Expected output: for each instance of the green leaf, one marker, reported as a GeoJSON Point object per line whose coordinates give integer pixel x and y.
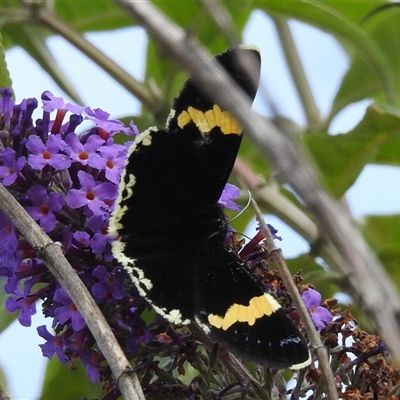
{"type": "Point", "coordinates": [63, 383]}
{"type": "Point", "coordinates": [5, 80]}
{"type": "Point", "coordinates": [382, 231]}
{"type": "Point", "coordinates": [361, 81]}
{"type": "Point", "coordinates": [389, 153]}
{"type": "Point", "coordinates": [254, 158]}
{"type": "Point", "coordinates": [354, 10]}
{"type": "Point", "coordinates": [99, 15]}
{"type": "Point", "coordinates": [329, 15]}
{"type": "Point", "coordinates": [328, 18]}
{"type": "Point", "coordinates": [342, 157]}
{"type": "Point", "coordinates": [383, 234]}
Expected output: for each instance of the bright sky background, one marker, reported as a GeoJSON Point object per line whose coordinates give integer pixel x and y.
{"type": "Point", "coordinates": [324, 62]}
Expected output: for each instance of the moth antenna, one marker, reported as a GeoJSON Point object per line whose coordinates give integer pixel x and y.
{"type": "Point", "coordinates": [244, 208]}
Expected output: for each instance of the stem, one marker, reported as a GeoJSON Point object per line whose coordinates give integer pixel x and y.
{"type": "Point", "coordinates": [149, 98]}
{"type": "Point", "coordinates": [313, 335]}
{"type": "Point", "coordinates": [297, 72]}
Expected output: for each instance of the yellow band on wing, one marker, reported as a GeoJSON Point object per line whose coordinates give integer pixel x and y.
{"type": "Point", "coordinates": [257, 308]}
{"type": "Point", "coordinates": [206, 121]}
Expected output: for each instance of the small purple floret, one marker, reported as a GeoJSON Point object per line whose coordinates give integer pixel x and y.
{"type": "Point", "coordinates": [68, 311]}
{"type": "Point", "coordinates": [230, 193]}
{"type": "Point", "coordinates": [320, 315]}
{"type": "Point", "coordinates": [47, 154]}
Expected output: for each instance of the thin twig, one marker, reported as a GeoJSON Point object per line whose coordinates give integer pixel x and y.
{"type": "Point", "coordinates": [366, 274]}
{"type": "Point", "coordinates": [297, 72]}
{"type": "Point", "coordinates": [48, 18]}
{"type": "Point", "coordinates": [52, 256]}
{"type": "Point", "coordinates": [313, 336]}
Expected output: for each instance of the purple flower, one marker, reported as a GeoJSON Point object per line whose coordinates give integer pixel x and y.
{"type": "Point", "coordinates": [141, 334]}
{"type": "Point", "coordinates": [44, 206]}
{"type": "Point", "coordinates": [100, 238]}
{"type": "Point", "coordinates": [6, 102]}
{"type": "Point", "coordinates": [112, 162]}
{"type": "Point", "coordinates": [47, 154]}
{"type": "Point", "coordinates": [8, 237]}
{"type": "Point", "coordinates": [319, 314]}
{"type": "Point", "coordinates": [26, 305]}
{"type": "Point", "coordinates": [230, 193]}
{"type": "Point", "coordinates": [133, 130]}
{"type": "Point", "coordinates": [112, 126]}
{"type": "Point", "coordinates": [100, 118]}
{"type": "Point", "coordinates": [54, 344]}
{"type": "Point", "coordinates": [85, 153]}
{"type": "Point", "coordinates": [82, 239]}
{"type": "Point", "coordinates": [10, 168]}
{"type": "Point", "coordinates": [91, 360]}
{"type": "Point", "coordinates": [92, 194]}
{"type": "Point", "coordinates": [68, 311]}
{"type": "Point", "coordinates": [13, 269]}
{"type": "Point", "coordinates": [52, 103]}
{"type": "Point", "coordinates": [110, 284]}
{"type": "Point", "coordinates": [274, 232]}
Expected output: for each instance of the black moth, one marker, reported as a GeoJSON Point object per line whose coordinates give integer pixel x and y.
{"type": "Point", "coordinates": [171, 229]}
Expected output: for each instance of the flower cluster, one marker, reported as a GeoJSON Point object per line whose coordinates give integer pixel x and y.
{"type": "Point", "coordinates": [67, 183]}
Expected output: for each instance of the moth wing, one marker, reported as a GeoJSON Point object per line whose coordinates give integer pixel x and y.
{"type": "Point", "coordinates": [233, 307]}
